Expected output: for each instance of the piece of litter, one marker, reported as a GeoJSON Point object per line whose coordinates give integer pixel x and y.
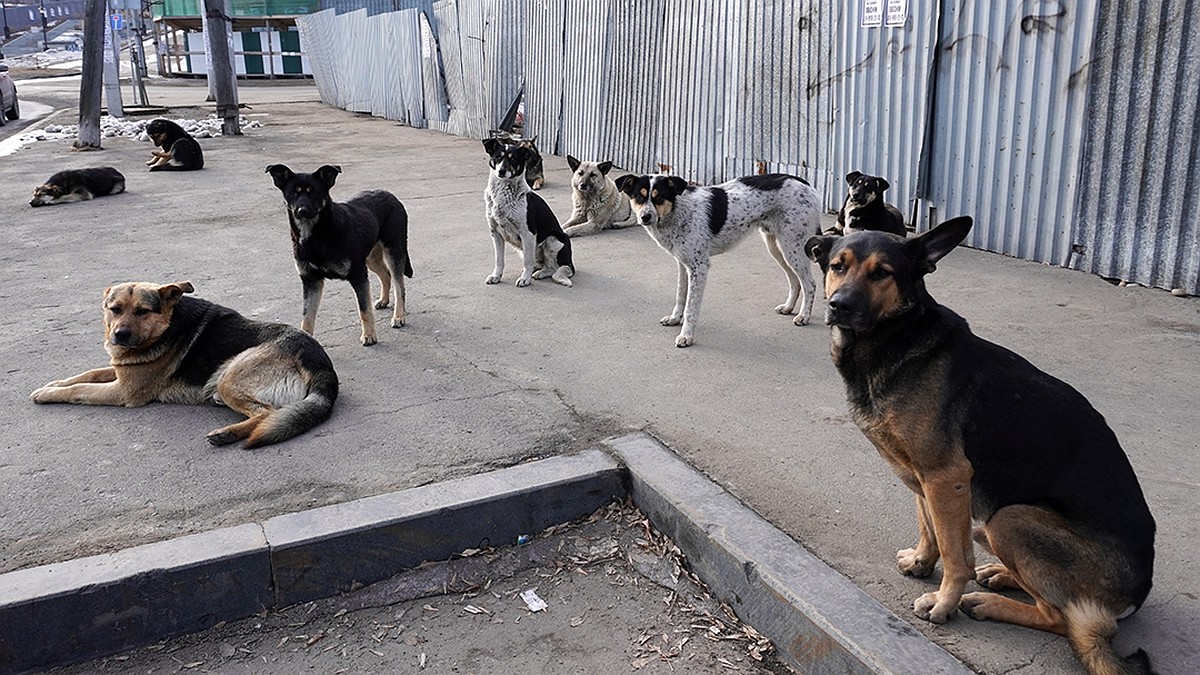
{"type": "Point", "coordinates": [476, 610]}
{"type": "Point", "coordinates": [422, 659]}
{"type": "Point", "coordinates": [522, 539]}
{"type": "Point", "coordinates": [576, 622]}
{"type": "Point", "coordinates": [532, 601]}
{"type": "Point", "coordinates": [429, 608]}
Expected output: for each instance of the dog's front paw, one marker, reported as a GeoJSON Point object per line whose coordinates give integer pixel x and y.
{"type": "Point", "coordinates": [800, 320]}
{"type": "Point", "coordinates": [784, 308]}
{"type": "Point", "coordinates": [671, 320]}
{"type": "Point", "coordinates": [382, 304]}
{"type": "Point", "coordinates": [397, 323]}
{"type": "Point", "coordinates": [909, 562]}
{"type": "Point", "coordinates": [524, 281]}
{"type": "Point", "coordinates": [684, 341]}
{"type": "Point", "coordinates": [44, 394]}
{"type": "Point", "coordinates": [492, 279]}
{"type": "Point", "coordinates": [368, 340]}
{"type": "Point", "coordinates": [931, 608]}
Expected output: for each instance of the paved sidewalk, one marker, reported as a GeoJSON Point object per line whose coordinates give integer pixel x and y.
{"type": "Point", "coordinates": [486, 377]}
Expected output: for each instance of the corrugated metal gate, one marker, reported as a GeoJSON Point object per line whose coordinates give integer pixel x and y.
{"type": "Point", "coordinates": [1057, 125]}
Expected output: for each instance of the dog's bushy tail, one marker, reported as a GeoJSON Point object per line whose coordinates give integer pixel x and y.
{"type": "Point", "coordinates": [1090, 629]}
{"type": "Point", "coordinates": [296, 418]}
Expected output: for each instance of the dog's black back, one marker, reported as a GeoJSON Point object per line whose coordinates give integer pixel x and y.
{"type": "Point", "coordinates": [186, 154]}
{"type": "Point", "coordinates": [864, 207]}
{"type": "Point", "coordinates": [99, 180]}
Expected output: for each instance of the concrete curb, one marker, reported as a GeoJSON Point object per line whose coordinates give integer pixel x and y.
{"type": "Point", "coordinates": [819, 622]}
{"type": "Point", "coordinates": [81, 609]}
{"type": "Point", "coordinates": [817, 619]}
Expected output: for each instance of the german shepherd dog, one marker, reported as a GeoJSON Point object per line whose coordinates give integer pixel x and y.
{"type": "Point", "coordinates": [978, 432]}
{"type": "Point", "coordinates": [695, 223]}
{"type": "Point", "coordinates": [78, 185]}
{"type": "Point", "coordinates": [343, 241]}
{"type": "Point", "coordinates": [598, 204]}
{"type": "Point", "coordinates": [865, 209]}
{"type": "Point", "coordinates": [535, 171]}
{"type": "Point", "coordinates": [178, 150]}
{"type": "Point", "coordinates": [519, 217]}
{"type": "Point", "coordinates": [174, 349]}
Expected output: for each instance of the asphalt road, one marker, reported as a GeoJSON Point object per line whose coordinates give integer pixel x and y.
{"type": "Point", "coordinates": [487, 376]}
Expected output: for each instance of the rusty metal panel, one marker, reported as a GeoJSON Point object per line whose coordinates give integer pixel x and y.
{"type": "Point", "coordinates": [1138, 208]}
{"type": "Point", "coordinates": [881, 87]}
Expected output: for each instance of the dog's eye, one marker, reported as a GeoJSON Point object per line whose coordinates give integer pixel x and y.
{"type": "Point", "coordinates": [880, 273]}
{"type": "Point", "coordinates": [141, 311]}
{"type": "Point", "coordinates": [115, 310]}
{"type": "Point", "coordinates": [837, 267]}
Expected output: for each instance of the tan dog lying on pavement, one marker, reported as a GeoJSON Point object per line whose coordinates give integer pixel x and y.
{"type": "Point", "coordinates": [165, 347]}
{"type": "Point", "coordinates": [598, 203]}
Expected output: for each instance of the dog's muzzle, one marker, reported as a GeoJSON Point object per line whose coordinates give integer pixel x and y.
{"type": "Point", "coordinates": [123, 337]}
{"type": "Point", "coordinates": [847, 309]}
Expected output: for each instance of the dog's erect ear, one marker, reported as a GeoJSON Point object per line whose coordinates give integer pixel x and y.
{"type": "Point", "coordinates": [605, 167]}
{"type": "Point", "coordinates": [883, 184]}
{"type": "Point", "coordinates": [817, 249]}
{"type": "Point", "coordinates": [328, 174]}
{"type": "Point", "coordinates": [171, 293]}
{"type": "Point", "coordinates": [927, 249]}
{"type": "Point", "coordinates": [853, 176]}
{"type": "Point", "coordinates": [573, 163]}
{"type": "Point", "coordinates": [625, 183]}
{"type": "Point", "coordinates": [677, 184]}
{"type": "Point", "coordinates": [533, 144]}
{"type": "Point", "coordinates": [280, 174]}
{"type": "Point", "coordinates": [491, 145]}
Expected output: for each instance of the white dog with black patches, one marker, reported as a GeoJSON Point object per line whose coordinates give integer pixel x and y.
{"type": "Point", "coordinates": [519, 217]}
{"type": "Point", "coordinates": [696, 223]}
{"type": "Point", "coordinates": [598, 205]}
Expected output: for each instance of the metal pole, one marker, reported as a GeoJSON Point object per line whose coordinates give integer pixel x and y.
{"type": "Point", "coordinates": [7, 30]}
{"type": "Point", "coordinates": [45, 47]}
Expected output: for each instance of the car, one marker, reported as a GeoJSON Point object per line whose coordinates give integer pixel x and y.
{"type": "Point", "coordinates": [9, 105]}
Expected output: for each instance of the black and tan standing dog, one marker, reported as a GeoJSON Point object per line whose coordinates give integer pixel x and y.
{"type": "Point", "coordinates": [522, 219]}
{"type": "Point", "coordinates": [978, 432]}
{"type": "Point", "coordinates": [178, 151]}
{"type": "Point", "coordinates": [78, 185]}
{"type": "Point", "coordinates": [865, 209]}
{"type": "Point", "coordinates": [343, 240]}
{"type": "Point", "coordinates": [174, 349]}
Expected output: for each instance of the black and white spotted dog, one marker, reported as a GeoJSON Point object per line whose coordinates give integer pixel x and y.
{"type": "Point", "coordinates": [695, 223]}
{"type": "Point", "coordinates": [519, 217]}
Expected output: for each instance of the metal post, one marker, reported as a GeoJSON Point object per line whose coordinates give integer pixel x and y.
{"type": "Point", "coordinates": [45, 47]}
{"type": "Point", "coordinates": [7, 30]}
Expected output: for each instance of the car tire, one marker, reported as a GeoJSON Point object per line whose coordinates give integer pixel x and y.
{"type": "Point", "coordinates": [14, 112]}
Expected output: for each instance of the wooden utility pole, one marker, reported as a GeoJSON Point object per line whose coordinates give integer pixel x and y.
{"type": "Point", "coordinates": [92, 77]}
{"type": "Point", "coordinates": [220, 65]}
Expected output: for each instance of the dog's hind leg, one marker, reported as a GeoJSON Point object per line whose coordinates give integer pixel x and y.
{"type": "Point", "coordinates": [397, 264]}
{"type": "Point", "coordinates": [377, 263]}
{"type": "Point", "coordinates": [236, 432]}
{"type": "Point", "coordinates": [797, 267]}
{"type": "Point", "coordinates": [313, 288]}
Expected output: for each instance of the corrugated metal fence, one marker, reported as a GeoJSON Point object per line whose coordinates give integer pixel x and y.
{"type": "Point", "coordinates": [1063, 127]}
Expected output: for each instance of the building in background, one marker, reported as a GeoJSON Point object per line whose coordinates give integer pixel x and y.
{"type": "Point", "coordinates": [265, 40]}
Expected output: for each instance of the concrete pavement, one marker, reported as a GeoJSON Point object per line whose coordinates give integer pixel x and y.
{"type": "Point", "coordinates": [485, 377]}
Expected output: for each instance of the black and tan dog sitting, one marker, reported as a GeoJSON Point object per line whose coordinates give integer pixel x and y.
{"type": "Point", "coordinates": [78, 185]}
{"type": "Point", "coordinates": [175, 349]}
{"type": "Point", "coordinates": [178, 151]}
{"type": "Point", "coordinates": [865, 209]}
{"type": "Point", "coordinates": [977, 432]}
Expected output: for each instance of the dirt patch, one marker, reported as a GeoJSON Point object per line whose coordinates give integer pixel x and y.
{"type": "Point", "coordinates": [618, 598]}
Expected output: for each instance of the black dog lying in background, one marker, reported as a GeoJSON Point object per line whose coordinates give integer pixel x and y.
{"type": "Point", "coordinates": [864, 208]}
{"type": "Point", "coordinates": [178, 150]}
{"type": "Point", "coordinates": [78, 185]}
